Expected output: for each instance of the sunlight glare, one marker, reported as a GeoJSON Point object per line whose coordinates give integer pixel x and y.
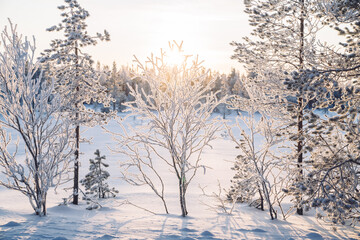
{"type": "Point", "coordinates": [174, 58]}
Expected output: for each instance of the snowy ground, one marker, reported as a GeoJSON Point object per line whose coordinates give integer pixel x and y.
{"type": "Point", "coordinates": [118, 221]}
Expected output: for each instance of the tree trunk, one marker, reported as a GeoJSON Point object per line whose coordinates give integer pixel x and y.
{"type": "Point", "coordinates": [261, 200]}
{"type": "Point", "coordinates": [272, 211]}
{"type": "Point", "coordinates": [76, 166]}
{"type": "Point", "coordinates": [101, 192]}
{"type": "Point", "coordinates": [165, 206]}
{"type": "Point", "coordinates": [44, 206]}
{"type": "Point", "coordinates": [299, 209]}
{"type": "Point", "coordinates": [182, 197]}
{"type": "Point", "coordinates": [224, 111]}
{"type": "Point", "coordinates": [77, 139]}
{"type": "Point", "coordinates": [37, 188]}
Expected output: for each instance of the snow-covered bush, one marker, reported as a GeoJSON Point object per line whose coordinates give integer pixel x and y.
{"type": "Point", "coordinates": [95, 181]}
{"type": "Point", "coordinates": [177, 110]}
{"type": "Point", "coordinates": [258, 165]}
{"type": "Point", "coordinates": [30, 107]}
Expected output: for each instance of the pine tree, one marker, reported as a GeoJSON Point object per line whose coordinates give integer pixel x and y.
{"type": "Point", "coordinates": [76, 78]}
{"type": "Point", "coordinates": [224, 90]}
{"type": "Point", "coordinates": [332, 184]}
{"type": "Point", "coordinates": [281, 46]}
{"type": "Point", "coordinates": [116, 87]}
{"type": "Point", "coordinates": [95, 181]}
{"type": "Point", "coordinates": [243, 188]}
{"type": "Point", "coordinates": [239, 88]}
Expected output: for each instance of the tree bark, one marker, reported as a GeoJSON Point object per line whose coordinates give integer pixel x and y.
{"type": "Point", "coordinates": [261, 201]}
{"type": "Point", "coordinates": [44, 212]}
{"type": "Point", "coordinates": [77, 139]}
{"type": "Point", "coordinates": [272, 211]}
{"type": "Point", "coordinates": [76, 166]}
{"type": "Point", "coordinates": [299, 209]}
{"type": "Point", "coordinates": [182, 197]}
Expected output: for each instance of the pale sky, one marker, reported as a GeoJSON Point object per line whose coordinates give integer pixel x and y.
{"type": "Point", "coordinates": [140, 27]}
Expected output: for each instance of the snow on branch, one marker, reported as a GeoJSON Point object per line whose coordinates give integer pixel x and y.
{"type": "Point", "coordinates": [177, 111]}
{"type": "Point", "coordinates": [30, 108]}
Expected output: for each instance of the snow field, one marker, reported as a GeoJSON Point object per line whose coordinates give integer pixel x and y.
{"type": "Point", "coordinates": [117, 220]}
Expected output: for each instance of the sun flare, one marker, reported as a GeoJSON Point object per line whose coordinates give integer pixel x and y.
{"type": "Point", "coordinates": [174, 57]}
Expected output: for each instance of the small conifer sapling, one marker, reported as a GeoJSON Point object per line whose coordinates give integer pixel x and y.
{"type": "Point", "coordinates": [95, 181]}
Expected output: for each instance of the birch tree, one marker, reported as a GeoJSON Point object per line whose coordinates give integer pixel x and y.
{"type": "Point", "coordinates": [30, 108]}
{"type": "Point", "coordinates": [178, 122]}
{"type": "Point", "coordinates": [261, 168]}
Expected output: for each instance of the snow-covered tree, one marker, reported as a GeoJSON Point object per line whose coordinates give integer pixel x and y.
{"type": "Point", "coordinates": [178, 122]}
{"type": "Point", "coordinates": [332, 184]}
{"type": "Point", "coordinates": [72, 68]}
{"type": "Point", "coordinates": [30, 108]}
{"type": "Point", "coordinates": [116, 86]}
{"type": "Point", "coordinates": [223, 87]}
{"type": "Point", "coordinates": [232, 79]}
{"type": "Point", "coordinates": [239, 88]}
{"type": "Point", "coordinates": [95, 181]}
{"type": "Point", "coordinates": [282, 45]}
{"type": "Point", "coordinates": [254, 165]}
{"type": "Point", "coordinates": [261, 170]}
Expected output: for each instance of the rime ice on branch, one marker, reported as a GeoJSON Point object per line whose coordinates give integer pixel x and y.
{"type": "Point", "coordinates": [282, 44]}
{"type": "Point", "coordinates": [177, 110]}
{"type": "Point", "coordinates": [30, 107]}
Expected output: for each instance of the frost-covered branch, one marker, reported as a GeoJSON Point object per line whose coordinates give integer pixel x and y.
{"type": "Point", "coordinates": [177, 111]}
{"type": "Point", "coordinates": [30, 109]}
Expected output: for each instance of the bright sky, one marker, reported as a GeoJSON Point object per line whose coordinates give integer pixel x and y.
{"type": "Point", "coordinates": [140, 27]}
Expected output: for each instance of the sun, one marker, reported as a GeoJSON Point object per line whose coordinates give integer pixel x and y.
{"type": "Point", "coordinates": [174, 57]}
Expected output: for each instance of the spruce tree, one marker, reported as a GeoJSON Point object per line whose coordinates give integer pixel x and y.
{"type": "Point", "coordinates": [116, 87]}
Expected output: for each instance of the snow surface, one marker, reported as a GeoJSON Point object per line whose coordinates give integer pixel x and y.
{"type": "Point", "coordinates": [122, 221]}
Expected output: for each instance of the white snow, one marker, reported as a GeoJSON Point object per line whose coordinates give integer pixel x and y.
{"type": "Point", "coordinates": [123, 221]}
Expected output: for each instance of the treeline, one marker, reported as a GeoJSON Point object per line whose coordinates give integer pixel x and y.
{"type": "Point", "coordinates": [119, 80]}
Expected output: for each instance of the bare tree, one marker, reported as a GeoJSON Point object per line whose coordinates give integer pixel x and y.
{"type": "Point", "coordinates": [177, 111]}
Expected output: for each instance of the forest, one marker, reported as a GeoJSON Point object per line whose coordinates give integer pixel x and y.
{"type": "Point", "coordinates": [268, 151]}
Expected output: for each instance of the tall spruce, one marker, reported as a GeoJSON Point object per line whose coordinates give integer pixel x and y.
{"type": "Point", "coordinates": [81, 85]}
{"type": "Point", "coordinates": [282, 45]}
